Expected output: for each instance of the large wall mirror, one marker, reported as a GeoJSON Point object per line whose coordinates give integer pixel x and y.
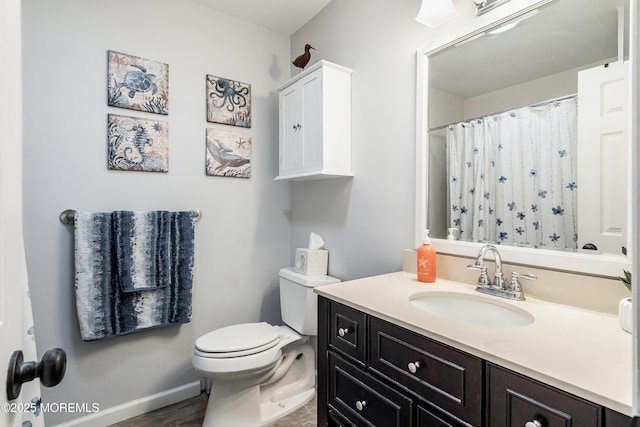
{"type": "Point", "coordinates": [524, 137]}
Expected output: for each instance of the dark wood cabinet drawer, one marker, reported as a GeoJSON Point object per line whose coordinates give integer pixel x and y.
{"type": "Point", "coordinates": [615, 419]}
{"type": "Point", "coordinates": [347, 331]}
{"type": "Point", "coordinates": [515, 400]}
{"type": "Point", "coordinates": [364, 400]}
{"type": "Point", "coordinates": [337, 420]}
{"type": "Point", "coordinates": [446, 377]}
{"type": "Point", "coordinates": [428, 418]}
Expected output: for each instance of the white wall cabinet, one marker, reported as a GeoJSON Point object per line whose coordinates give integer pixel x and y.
{"type": "Point", "coordinates": [315, 124]}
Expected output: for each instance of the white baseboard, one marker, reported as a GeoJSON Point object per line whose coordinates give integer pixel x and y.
{"type": "Point", "coordinates": [136, 407]}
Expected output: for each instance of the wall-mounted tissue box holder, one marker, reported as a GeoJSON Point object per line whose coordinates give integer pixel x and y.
{"type": "Point", "coordinates": [312, 262]}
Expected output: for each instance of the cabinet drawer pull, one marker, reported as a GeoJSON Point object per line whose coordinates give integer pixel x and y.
{"type": "Point", "coordinates": [413, 367]}
{"type": "Point", "coordinates": [360, 404]}
{"type": "Point", "coordinates": [534, 423]}
{"type": "Point", "coordinates": [343, 331]}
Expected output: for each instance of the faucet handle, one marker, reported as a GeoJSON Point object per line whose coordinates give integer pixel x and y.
{"type": "Point", "coordinates": [527, 276]}
{"type": "Point", "coordinates": [483, 280]}
{"type": "Point", "coordinates": [514, 284]}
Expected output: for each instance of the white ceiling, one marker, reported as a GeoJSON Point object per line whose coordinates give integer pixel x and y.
{"type": "Point", "coordinates": [284, 16]}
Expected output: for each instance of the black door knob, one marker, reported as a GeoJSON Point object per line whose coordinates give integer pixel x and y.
{"type": "Point", "coordinates": [50, 370]}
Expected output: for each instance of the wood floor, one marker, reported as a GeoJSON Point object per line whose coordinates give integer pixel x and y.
{"type": "Point", "coordinates": [190, 412]}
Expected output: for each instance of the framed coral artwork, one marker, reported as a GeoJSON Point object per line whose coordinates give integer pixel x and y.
{"type": "Point", "coordinates": [136, 144]}
{"type": "Point", "coordinates": [228, 153]}
{"type": "Point", "coordinates": [228, 102]}
{"type": "Point", "coordinates": [137, 83]}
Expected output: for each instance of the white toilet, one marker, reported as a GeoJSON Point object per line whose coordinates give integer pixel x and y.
{"type": "Point", "coordinates": [260, 373]}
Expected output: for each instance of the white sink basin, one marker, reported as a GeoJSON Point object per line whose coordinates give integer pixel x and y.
{"type": "Point", "coordinates": [471, 309]}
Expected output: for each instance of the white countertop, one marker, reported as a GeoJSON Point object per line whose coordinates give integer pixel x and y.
{"type": "Point", "coordinates": [582, 352]}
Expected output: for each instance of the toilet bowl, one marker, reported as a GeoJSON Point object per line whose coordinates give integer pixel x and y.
{"type": "Point", "coordinates": [260, 373]}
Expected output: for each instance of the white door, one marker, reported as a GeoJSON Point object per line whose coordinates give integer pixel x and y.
{"type": "Point", "coordinates": [12, 273]}
{"type": "Point", "coordinates": [603, 156]}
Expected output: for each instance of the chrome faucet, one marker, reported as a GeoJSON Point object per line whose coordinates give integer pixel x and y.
{"type": "Point", "coordinates": [512, 290]}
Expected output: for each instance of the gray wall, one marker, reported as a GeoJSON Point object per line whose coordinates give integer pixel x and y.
{"type": "Point", "coordinates": [244, 236]}
{"type": "Point", "coordinates": [367, 220]}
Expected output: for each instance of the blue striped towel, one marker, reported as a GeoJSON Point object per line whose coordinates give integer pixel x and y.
{"type": "Point", "coordinates": [142, 244]}
{"type": "Point", "coordinates": [104, 309]}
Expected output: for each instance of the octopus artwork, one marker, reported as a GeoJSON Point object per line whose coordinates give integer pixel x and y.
{"type": "Point", "coordinates": [228, 102]}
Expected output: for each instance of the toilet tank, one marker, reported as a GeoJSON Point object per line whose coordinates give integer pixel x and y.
{"type": "Point", "coordinates": [298, 302]}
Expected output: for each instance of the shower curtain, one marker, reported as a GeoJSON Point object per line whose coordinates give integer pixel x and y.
{"type": "Point", "coordinates": [512, 177]}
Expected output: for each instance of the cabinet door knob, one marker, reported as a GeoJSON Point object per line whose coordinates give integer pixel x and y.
{"type": "Point", "coordinates": [360, 404]}
{"type": "Point", "coordinates": [343, 331]}
{"type": "Point", "coordinates": [413, 367]}
{"type": "Point", "coordinates": [534, 423]}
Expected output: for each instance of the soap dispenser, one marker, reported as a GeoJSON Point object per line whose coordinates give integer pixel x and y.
{"type": "Point", "coordinates": [426, 260]}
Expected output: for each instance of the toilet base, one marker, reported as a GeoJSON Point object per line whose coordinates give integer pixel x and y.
{"type": "Point", "coordinates": [244, 404]}
{"type": "Point", "coordinates": [272, 412]}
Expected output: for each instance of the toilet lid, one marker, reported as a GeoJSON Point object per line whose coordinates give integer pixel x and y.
{"type": "Point", "coordinates": [243, 338]}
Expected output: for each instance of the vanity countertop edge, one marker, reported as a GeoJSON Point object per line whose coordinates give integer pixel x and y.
{"type": "Point", "coordinates": [582, 352]}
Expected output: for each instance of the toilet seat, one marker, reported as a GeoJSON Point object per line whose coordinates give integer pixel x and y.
{"type": "Point", "coordinates": [238, 340]}
{"type": "Point", "coordinates": [267, 342]}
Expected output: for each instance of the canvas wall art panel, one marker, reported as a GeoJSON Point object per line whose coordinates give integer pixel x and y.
{"type": "Point", "coordinates": [228, 102]}
{"type": "Point", "coordinates": [228, 153]}
{"type": "Point", "coordinates": [138, 83]}
{"type": "Point", "coordinates": [136, 144]}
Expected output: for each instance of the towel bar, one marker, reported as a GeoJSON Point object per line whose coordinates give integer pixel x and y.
{"type": "Point", "coordinates": [67, 216]}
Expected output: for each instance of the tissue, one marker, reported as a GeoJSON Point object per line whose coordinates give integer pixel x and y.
{"type": "Point", "coordinates": [313, 260]}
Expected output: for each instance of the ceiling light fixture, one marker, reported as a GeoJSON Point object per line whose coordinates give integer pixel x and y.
{"type": "Point", "coordinates": [435, 12]}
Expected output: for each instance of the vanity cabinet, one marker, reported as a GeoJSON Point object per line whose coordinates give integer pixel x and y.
{"type": "Point", "coordinates": [371, 372]}
{"type": "Point", "coordinates": [447, 378]}
{"type": "Point", "coordinates": [363, 399]}
{"type": "Point", "coordinates": [515, 400]}
{"type": "Point", "coordinates": [350, 329]}
{"type": "Point", "coordinates": [374, 373]}
{"type": "Point", "coordinates": [315, 124]}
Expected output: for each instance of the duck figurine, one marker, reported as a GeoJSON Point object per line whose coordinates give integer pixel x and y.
{"type": "Point", "coordinates": [302, 60]}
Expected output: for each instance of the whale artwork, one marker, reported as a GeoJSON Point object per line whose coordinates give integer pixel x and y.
{"type": "Point", "coordinates": [228, 153]}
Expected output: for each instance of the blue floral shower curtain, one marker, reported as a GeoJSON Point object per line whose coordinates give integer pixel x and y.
{"type": "Point", "coordinates": [512, 177]}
